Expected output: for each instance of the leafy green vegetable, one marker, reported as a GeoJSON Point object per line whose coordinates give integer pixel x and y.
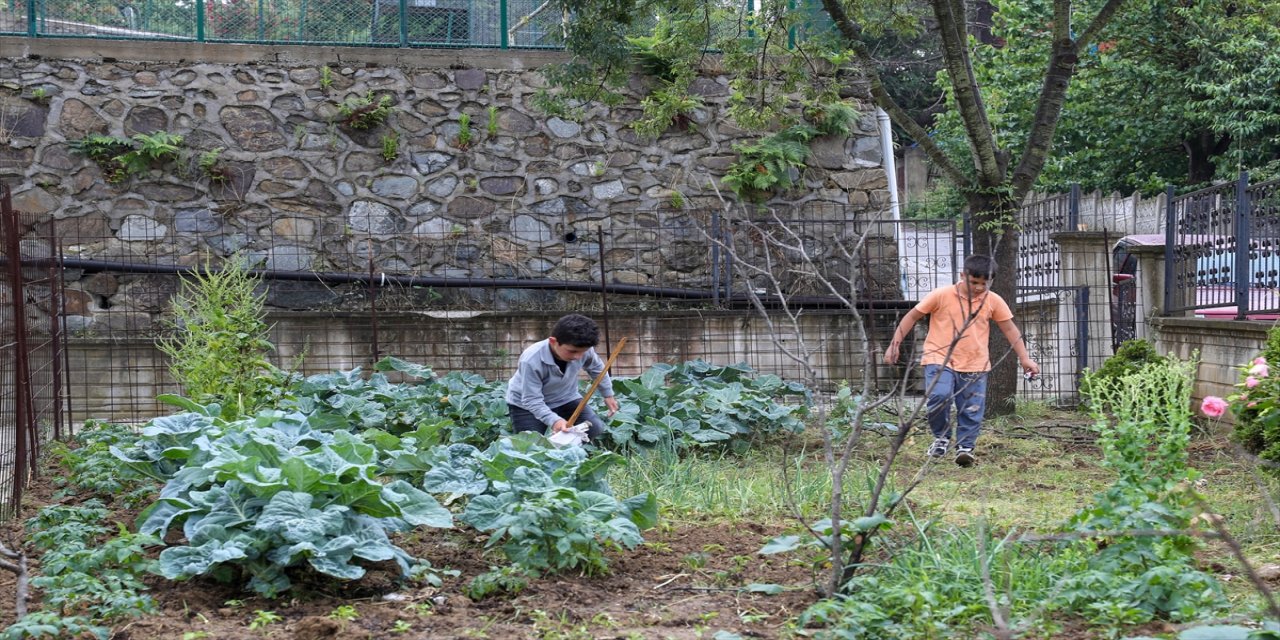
{"type": "Point", "coordinates": [697, 405]}
{"type": "Point", "coordinates": [83, 570]}
{"type": "Point", "coordinates": [267, 493]}
{"type": "Point", "coordinates": [550, 508]}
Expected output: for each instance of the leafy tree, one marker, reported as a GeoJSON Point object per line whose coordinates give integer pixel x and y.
{"type": "Point", "coordinates": [1174, 92]}
{"type": "Point", "coordinates": [785, 49]}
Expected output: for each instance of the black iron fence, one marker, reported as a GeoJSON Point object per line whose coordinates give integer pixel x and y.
{"type": "Point", "coordinates": [1222, 251]}
{"type": "Point", "coordinates": [1064, 304]}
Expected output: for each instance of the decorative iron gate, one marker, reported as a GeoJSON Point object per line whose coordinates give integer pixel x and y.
{"type": "Point", "coordinates": [1055, 323]}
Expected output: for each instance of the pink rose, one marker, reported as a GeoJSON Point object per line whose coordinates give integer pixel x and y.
{"type": "Point", "coordinates": [1259, 360]}
{"type": "Point", "coordinates": [1251, 382]}
{"type": "Point", "coordinates": [1213, 406]}
{"type": "Point", "coordinates": [1252, 405]}
{"type": "Point", "coordinates": [1260, 370]}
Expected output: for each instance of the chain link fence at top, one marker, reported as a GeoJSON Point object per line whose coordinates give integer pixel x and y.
{"type": "Point", "coordinates": [443, 23]}
{"type": "Point", "coordinates": [388, 23]}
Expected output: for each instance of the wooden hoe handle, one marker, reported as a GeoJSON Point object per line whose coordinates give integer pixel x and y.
{"type": "Point", "coordinates": [595, 383]}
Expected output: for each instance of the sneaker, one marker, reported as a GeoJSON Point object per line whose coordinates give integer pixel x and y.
{"type": "Point", "coordinates": [939, 447]}
{"type": "Point", "coordinates": [964, 457]}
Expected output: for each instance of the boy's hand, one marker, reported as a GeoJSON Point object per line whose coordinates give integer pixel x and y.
{"type": "Point", "coordinates": [560, 425]}
{"type": "Point", "coordinates": [1030, 366]}
{"type": "Point", "coordinates": [891, 353]}
{"type": "Point", "coordinates": [612, 403]}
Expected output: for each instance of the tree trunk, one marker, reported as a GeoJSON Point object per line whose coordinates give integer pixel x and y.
{"type": "Point", "coordinates": [1202, 147]}
{"type": "Point", "coordinates": [1002, 245]}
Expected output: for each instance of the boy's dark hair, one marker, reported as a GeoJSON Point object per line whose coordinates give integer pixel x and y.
{"type": "Point", "coordinates": [577, 330]}
{"type": "Point", "coordinates": [980, 266]}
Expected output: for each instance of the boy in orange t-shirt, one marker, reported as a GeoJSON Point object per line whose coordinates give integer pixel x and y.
{"type": "Point", "coordinates": [956, 359]}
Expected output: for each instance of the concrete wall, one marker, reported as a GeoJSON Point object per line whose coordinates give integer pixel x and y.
{"type": "Point", "coordinates": [1224, 346]}
{"type": "Point", "coordinates": [118, 380]}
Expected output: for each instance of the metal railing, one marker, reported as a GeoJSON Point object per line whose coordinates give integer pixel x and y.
{"type": "Point", "coordinates": [1222, 250]}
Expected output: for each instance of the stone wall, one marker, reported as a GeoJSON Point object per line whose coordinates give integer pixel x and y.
{"type": "Point", "coordinates": [300, 191]}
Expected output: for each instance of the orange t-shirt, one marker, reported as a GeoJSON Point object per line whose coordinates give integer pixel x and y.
{"type": "Point", "coordinates": [948, 311]}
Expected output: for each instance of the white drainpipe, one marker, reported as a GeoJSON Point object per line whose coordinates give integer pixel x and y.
{"type": "Point", "coordinates": [891, 174]}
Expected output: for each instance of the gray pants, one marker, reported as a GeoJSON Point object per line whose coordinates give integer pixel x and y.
{"type": "Point", "coordinates": [524, 420]}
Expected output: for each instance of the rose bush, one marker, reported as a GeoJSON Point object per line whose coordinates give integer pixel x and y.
{"type": "Point", "coordinates": [1256, 404]}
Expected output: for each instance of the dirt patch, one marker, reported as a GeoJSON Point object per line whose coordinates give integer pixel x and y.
{"type": "Point", "coordinates": [686, 581]}
{"type": "Point", "coordinates": [654, 591]}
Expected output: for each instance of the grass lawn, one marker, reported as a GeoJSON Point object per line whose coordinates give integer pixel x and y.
{"type": "Point", "coordinates": [1035, 471]}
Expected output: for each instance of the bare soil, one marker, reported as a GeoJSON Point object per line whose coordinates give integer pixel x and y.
{"type": "Point", "coordinates": [686, 581]}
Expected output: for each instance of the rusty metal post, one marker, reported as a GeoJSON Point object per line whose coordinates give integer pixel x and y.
{"type": "Point", "coordinates": [373, 304]}
{"type": "Point", "coordinates": [57, 316]}
{"type": "Point", "coordinates": [22, 375]}
{"type": "Point", "coordinates": [604, 289]}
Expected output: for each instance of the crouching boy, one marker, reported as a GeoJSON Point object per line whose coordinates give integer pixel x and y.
{"type": "Point", "coordinates": [544, 390]}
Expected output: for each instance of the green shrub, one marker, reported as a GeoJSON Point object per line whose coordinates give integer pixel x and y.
{"type": "Point", "coordinates": [365, 112]}
{"type": "Point", "coordinates": [775, 162]}
{"type": "Point", "coordinates": [90, 465]}
{"type": "Point", "coordinates": [219, 348]}
{"type": "Point", "coordinates": [1144, 424]}
{"type": "Point", "coordinates": [767, 166]}
{"type": "Point", "coordinates": [933, 587]}
{"type": "Point", "coordinates": [51, 624]}
{"type": "Point", "coordinates": [942, 202]}
{"type": "Point", "coordinates": [509, 580]}
{"type": "Point", "coordinates": [83, 570]}
{"type": "Point", "coordinates": [1130, 358]}
{"type": "Point", "coordinates": [122, 158]}
{"type": "Point", "coordinates": [1257, 408]}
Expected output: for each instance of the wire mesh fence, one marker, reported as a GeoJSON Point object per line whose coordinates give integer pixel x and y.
{"type": "Point", "coordinates": [686, 284]}
{"type": "Point", "coordinates": [32, 393]}
{"type": "Point", "coordinates": [399, 23]}
{"type": "Point", "coordinates": [459, 295]}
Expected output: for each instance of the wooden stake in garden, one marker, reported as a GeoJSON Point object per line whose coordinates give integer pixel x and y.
{"type": "Point", "coordinates": [595, 383]}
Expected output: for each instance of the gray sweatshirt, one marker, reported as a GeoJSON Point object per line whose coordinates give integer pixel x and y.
{"type": "Point", "coordinates": [538, 385]}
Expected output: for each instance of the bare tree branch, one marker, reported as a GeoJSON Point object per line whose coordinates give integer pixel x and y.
{"type": "Point", "coordinates": [955, 48]}
{"type": "Point", "coordinates": [1238, 552]}
{"type": "Point", "coordinates": [1002, 631]}
{"type": "Point", "coordinates": [19, 569]}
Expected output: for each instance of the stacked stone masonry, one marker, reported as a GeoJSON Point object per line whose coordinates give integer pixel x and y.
{"type": "Point", "coordinates": [304, 192]}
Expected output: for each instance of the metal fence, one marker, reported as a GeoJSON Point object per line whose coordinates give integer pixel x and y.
{"type": "Point", "coordinates": [680, 284]}
{"type": "Point", "coordinates": [387, 23]}
{"type": "Point", "coordinates": [1063, 303]}
{"type": "Point", "coordinates": [1222, 251]}
{"type": "Point", "coordinates": [32, 383]}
